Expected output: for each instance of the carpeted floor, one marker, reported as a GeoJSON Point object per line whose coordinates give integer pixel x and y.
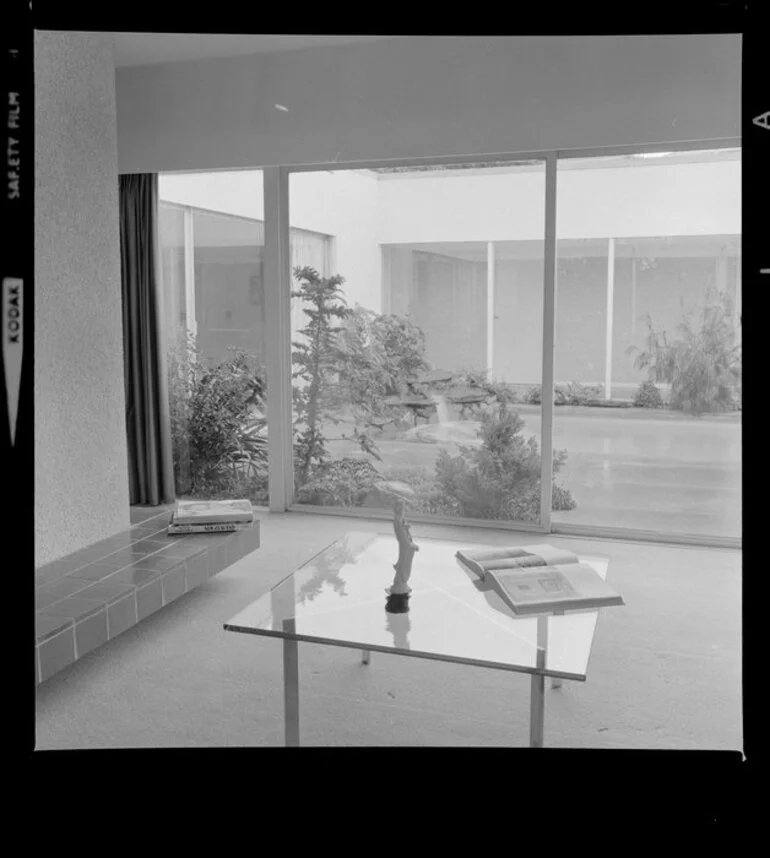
{"type": "Point", "coordinates": [665, 670]}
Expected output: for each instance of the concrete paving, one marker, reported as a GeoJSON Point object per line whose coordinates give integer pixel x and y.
{"type": "Point", "coordinates": [624, 468]}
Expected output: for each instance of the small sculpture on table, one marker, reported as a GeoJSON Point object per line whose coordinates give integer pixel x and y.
{"type": "Point", "coordinates": [398, 592]}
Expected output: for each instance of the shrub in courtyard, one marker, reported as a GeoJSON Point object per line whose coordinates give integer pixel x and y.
{"type": "Point", "coordinates": [648, 396]}
{"type": "Point", "coordinates": [339, 482]}
{"type": "Point", "coordinates": [428, 498]}
{"type": "Point", "coordinates": [702, 364]}
{"type": "Point", "coordinates": [501, 478]}
{"type": "Point", "coordinates": [576, 393]}
{"type": "Point", "coordinates": [497, 391]}
{"type": "Point", "coordinates": [218, 426]}
{"type": "Point", "coordinates": [535, 395]}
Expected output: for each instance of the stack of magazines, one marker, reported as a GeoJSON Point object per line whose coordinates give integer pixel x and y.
{"type": "Point", "coordinates": [224, 516]}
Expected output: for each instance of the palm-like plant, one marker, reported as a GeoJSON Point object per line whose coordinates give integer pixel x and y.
{"type": "Point", "coordinates": [703, 364]}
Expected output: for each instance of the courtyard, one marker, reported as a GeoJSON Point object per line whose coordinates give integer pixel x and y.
{"type": "Point", "coordinates": [625, 467]}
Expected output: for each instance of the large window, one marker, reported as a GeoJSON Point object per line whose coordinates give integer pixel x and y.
{"type": "Point", "coordinates": [417, 358]}
{"type": "Point", "coordinates": [648, 341]}
{"type": "Point", "coordinates": [416, 339]}
{"type": "Point", "coordinates": [214, 314]}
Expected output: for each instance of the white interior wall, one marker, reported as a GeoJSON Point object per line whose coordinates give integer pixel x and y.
{"type": "Point", "coordinates": [343, 205]}
{"type": "Point", "coordinates": [81, 465]}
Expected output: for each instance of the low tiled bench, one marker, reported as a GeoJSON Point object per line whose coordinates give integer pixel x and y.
{"type": "Point", "coordinates": [93, 595]}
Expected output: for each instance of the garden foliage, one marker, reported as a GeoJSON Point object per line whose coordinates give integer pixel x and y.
{"type": "Point", "coordinates": [702, 363]}
{"type": "Point", "coordinates": [218, 427]}
{"type": "Point", "coordinates": [648, 396]}
{"type": "Point", "coordinates": [346, 361]}
{"type": "Point", "coordinates": [500, 479]}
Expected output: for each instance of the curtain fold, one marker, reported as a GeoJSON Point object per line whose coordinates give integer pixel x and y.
{"type": "Point", "coordinates": [148, 427]}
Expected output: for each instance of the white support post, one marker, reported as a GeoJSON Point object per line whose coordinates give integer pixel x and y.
{"type": "Point", "coordinates": [610, 310]}
{"type": "Point", "coordinates": [278, 338]}
{"type": "Point", "coordinates": [189, 272]}
{"type": "Point", "coordinates": [633, 295]}
{"type": "Point", "coordinates": [490, 306]}
{"type": "Point", "coordinates": [549, 321]}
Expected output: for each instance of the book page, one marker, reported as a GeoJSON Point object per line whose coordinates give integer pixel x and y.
{"type": "Point", "coordinates": [537, 586]}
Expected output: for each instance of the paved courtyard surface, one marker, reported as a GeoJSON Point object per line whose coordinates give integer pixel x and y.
{"type": "Point", "coordinates": [624, 469]}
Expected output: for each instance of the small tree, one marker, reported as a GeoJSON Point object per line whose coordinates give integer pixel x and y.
{"type": "Point", "coordinates": [378, 356]}
{"type": "Point", "coordinates": [320, 363]}
{"type": "Point", "coordinates": [501, 478]}
{"type": "Point", "coordinates": [316, 362]}
{"type": "Point", "coordinates": [702, 365]}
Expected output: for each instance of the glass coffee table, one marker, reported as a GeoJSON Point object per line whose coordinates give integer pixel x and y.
{"type": "Point", "coordinates": [338, 598]}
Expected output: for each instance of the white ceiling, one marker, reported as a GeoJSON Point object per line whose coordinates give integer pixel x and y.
{"type": "Point", "coordinates": [133, 49]}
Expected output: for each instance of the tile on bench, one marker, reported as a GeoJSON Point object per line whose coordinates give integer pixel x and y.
{"type": "Point", "coordinates": [173, 584]}
{"type": "Point", "coordinates": [158, 525]}
{"type": "Point", "coordinates": [196, 571]}
{"type": "Point", "coordinates": [149, 598]}
{"type": "Point", "coordinates": [217, 557]}
{"type": "Point", "coordinates": [48, 594]}
{"type": "Point", "coordinates": [74, 607]}
{"type": "Point", "coordinates": [100, 570]}
{"type": "Point", "coordinates": [103, 548]}
{"type": "Point", "coordinates": [91, 633]}
{"type": "Point", "coordinates": [177, 546]}
{"type": "Point", "coordinates": [241, 543]}
{"type": "Point", "coordinates": [46, 625]}
{"type": "Point", "coordinates": [148, 545]}
{"type": "Point", "coordinates": [107, 591]}
{"type": "Point", "coordinates": [56, 653]}
{"type": "Point", "coordinates": [132, 576]}
{"type": "Point", "coordinates": [121, 615]}
{"type": "Point", "coordinates": [158, 563]}
{"type": "Point", "coordinates": [54, 571]}
{"type": "Point", "coordinates": [128, 556]}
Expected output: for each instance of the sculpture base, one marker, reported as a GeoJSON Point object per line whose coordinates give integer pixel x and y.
{"type": "Point", "coordinates": [397, 603]}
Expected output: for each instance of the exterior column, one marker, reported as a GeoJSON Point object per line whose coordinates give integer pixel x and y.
{"type": "Point", "coordinates": [490, 305]}
{"type": "Point", "coordinates": [189, 272]}
{"type": "Point", "coordinates": [278, 338]}
{"type": "Point", "coordinates": [633, 295]}
{"type": "Point", "coordinates": [738, 295]}
{"type": "Point", "coordinates": [549, 321]}
{"type": "Point", "coordinates": [610, 305]}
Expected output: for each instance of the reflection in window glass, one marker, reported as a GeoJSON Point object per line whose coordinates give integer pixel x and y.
{"type": "Point", "coordinates": [214, 312]}
{"type": "Point", "coordinates": [647, 341]}
{"type": "Point", "coordinates": [418, 353]}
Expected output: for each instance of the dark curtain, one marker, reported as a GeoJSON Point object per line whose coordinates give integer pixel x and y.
{"type": "Point", "coordinates": [148, 428]}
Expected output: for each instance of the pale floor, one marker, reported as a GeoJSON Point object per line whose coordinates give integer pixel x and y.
{"type": "Point", "coordinates": [665, 669]}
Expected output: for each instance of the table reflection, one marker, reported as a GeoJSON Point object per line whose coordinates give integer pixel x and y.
{"type": "Point", "coordinates": [399, 626]}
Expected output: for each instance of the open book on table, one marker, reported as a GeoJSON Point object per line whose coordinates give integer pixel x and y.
{"type": "Point", "coordinates": [534, 579]}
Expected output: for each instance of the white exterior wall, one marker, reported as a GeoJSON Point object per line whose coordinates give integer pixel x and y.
{"type": "Point", "coordinates": [676, 199]}
{"type": "Point", "coordinates": [362, 210]}
{"type": "Point", "coordinates": [343, 205]}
